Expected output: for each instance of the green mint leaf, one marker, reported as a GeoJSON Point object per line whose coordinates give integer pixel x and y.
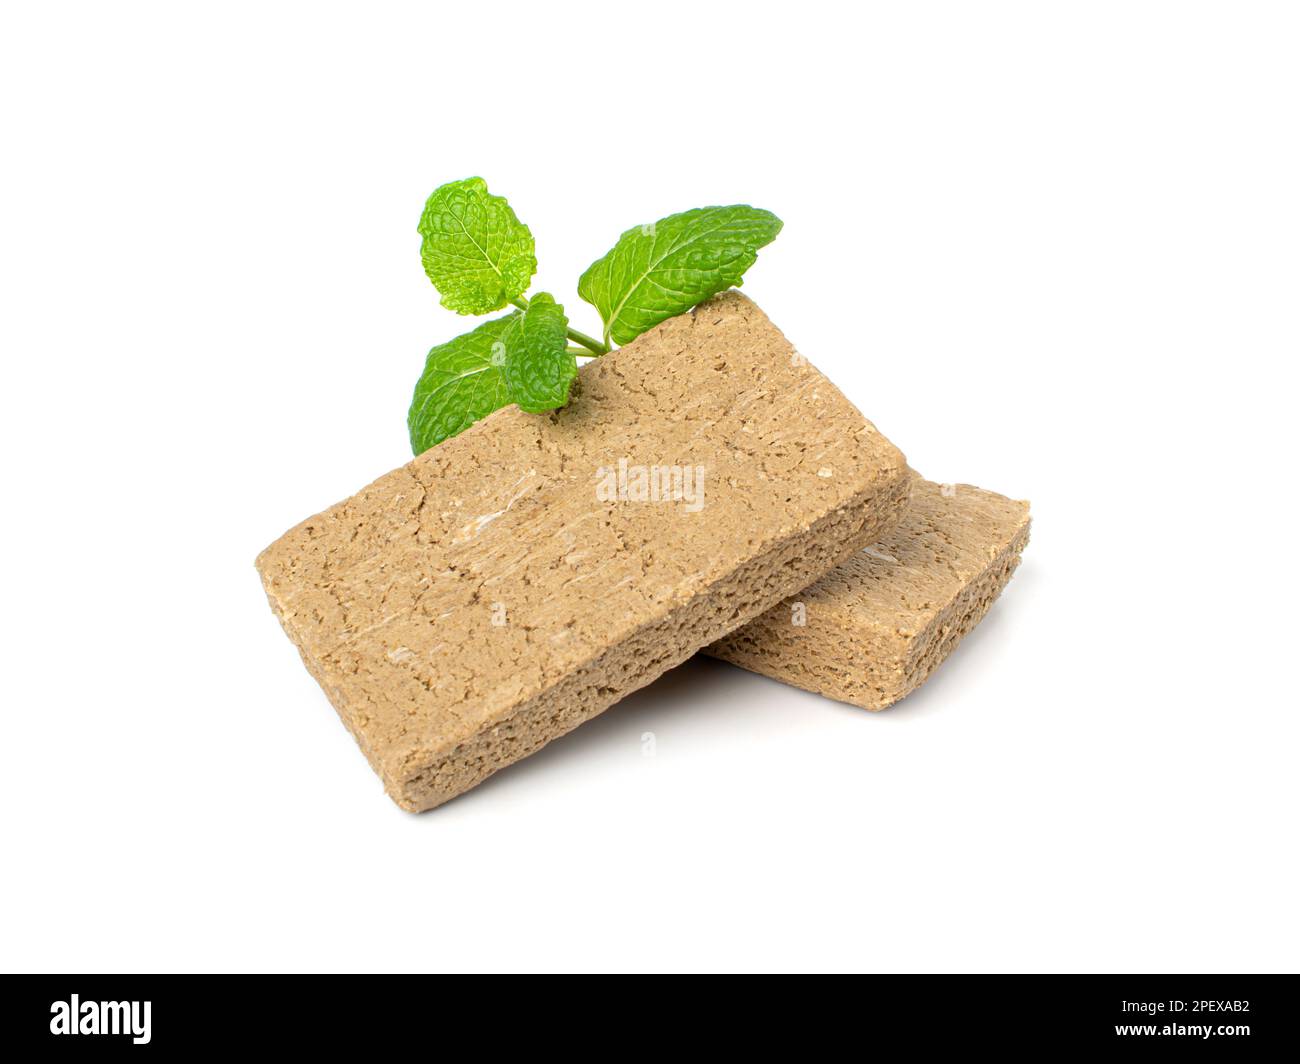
{"type": "Point", "coordinates": [476, 252]}
{"type": "Point", "coordinates": [521, 358]}
{"type": "Point", "coordinates": [539, 367]}
{"type": "Point", "coordinates": [658, 271]}
{"type": "Point", "coordinates": [463, 381]}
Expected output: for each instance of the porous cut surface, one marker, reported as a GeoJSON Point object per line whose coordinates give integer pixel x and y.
{"type": "Point", "coordinates": [466, 609]}
{"type": "Point", "coordinates": [876, 627]}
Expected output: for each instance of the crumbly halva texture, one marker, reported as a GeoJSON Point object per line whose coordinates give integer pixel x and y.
{"type": "Point", "coordinates": [875, 628]}
{"type": "Point", "coordinates": [508, 585]}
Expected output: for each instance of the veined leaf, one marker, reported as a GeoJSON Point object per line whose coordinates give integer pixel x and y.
{"type": "Point", "coordinates": [476, 252]}
{"type": "Point", "coordinates": [462, 382]}
{"type": "Point", "coordinates": [521, 358]}
{"type": "Point", "coordinates": [658, 271]}
{"type": "Point", "coordinates": [539, 367]}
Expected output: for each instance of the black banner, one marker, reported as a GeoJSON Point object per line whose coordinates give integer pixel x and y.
{"type": "Point", "coordinates": [140, 1014]}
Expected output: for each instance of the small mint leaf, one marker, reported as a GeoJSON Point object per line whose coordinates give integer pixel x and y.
{"type": "Point", "coordinates": [658, 271]}
{"type": "Point", "coordinates": [476, 252]}
{"type": "Point", "coordinates": [539, 367]}
{"type": "Point", "coordinates": [463, 381]}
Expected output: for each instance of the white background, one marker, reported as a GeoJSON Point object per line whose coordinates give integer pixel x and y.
{"type": "Point", "coordinates": [1050, 249]}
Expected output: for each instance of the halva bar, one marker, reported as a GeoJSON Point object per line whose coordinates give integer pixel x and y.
{"type": "Point", "coordinates": [520, 578]}
{"type": "Point", "coordinates": [876, 627]}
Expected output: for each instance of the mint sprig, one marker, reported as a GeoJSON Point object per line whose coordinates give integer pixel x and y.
{"type": "Point", "coordinates": [481, 258]}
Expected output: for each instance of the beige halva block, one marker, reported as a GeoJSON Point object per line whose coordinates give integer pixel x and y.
{"type": "Point", "coordinates": [466, 609]}
{"type": "Point", "coordinates": [875, 628]}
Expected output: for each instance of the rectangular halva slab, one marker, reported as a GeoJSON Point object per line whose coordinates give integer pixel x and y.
{"type": "Point", "coordinates": [876, 627]}
{"type": "Point", "coordinates": [507, 585]}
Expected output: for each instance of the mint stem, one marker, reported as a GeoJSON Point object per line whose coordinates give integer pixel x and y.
{"type": "Point", "coordinates": [589, 342]}
{"type": "Point", "coordinates": [592, 345]}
